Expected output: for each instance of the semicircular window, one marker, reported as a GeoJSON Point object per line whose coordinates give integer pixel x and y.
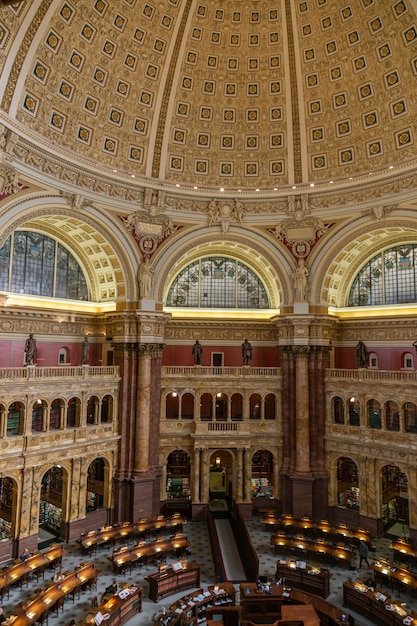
{"type": "Point", "coordinates": [390, 277]}
{"type": "Point", "coordinates": [217, 282]}
{"type": "Point", "coordinates": [34, 264]}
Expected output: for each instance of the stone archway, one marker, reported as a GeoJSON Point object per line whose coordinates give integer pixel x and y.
{"type": "Point", "coordinates": [221, 473]}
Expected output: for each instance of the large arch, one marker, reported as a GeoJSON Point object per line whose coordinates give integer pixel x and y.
{"type": "Point", "coordinates": [269, 262]}
{"type": "Point", "coordinates": [335, 265]}
{"type": "Point", "coordinates": [103, 247]}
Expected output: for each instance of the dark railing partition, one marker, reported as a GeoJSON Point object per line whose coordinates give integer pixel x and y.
{"type": "Point", "coordinates": [215, 549]}
{"type": "Point", "coordinates": [247, 550]}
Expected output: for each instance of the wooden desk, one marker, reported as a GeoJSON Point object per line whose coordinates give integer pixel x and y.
{"type": "Point", "coordinates": [192, 610]}
{"type": "Point", "coordinates": [148, 551]}
{"type": "Point", "coordinates": [312, 579]}
{"type": "Point", "coordinates": [163, 584]}
{"type": "Point", "coordinates": [396, 575]}
{"type": "Point", "coordinates": [315, 549]}
{"type": "Point", "coordinates": [49, 596]}
{"type": "Point", "coordinates": [404, 551]}
{"type": "Point", "coordinates": [358, 597]}
{"type": "Point", "coordinates": [290, 526]}
{"type": "Point", "coordinates": [304, 612]}
{"type": "Point", "coordinates": [144, 527]}
{"type": "Point", "coordinates": [120, 610]}
{"type": "Point", "coordinates": [268, 607]}
{"type": "Point", "coordinates": [36, 562]}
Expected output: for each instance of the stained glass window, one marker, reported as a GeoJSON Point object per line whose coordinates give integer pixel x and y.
{"type": "Point", "coordinates": [218, 282]}
{"type": "Point", "coordinates": [390, 277]}
{"type": "Point", "coordinates": [34, 264]}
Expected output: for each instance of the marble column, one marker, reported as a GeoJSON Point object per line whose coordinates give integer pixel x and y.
{"type": "Point", "coordinates": [247, 475]}
{"type": "Point", "coordinates": [196, 476]}
{"type": "Point", "coordinates": [302, 422]}
{"type": "Point", "coordinates": [239, 476]}
{"type": "Point", "coordinates": [142, 429]}
{"type": "Point", "coordinates": [163, 483]}
{"type": "Point", "coordinates": [204, 475]}
{"type": "Point", "coordinates": [288, 408]}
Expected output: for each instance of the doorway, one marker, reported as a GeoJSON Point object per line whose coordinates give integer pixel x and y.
{"type": "Point", "coordinates": [220, 475]}
{"type": "Point", "coordinates": [50, 510]}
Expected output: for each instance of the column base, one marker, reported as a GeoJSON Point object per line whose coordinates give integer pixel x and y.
{"type": "Point", "coordinates": [302, 496]}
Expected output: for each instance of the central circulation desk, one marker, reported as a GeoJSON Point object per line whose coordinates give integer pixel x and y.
{"type": "Point", "coordinates": [172, 580]}
{"type": "Point", "coordinates": [261, 607]}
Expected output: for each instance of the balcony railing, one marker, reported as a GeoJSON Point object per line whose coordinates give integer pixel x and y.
{"type": "Point", "coordinates": [361, 375]}
{"type": "Point", "coordinates": [223, 427]}
{"type": "Point", "coordinates": [207, 372]}
{"type": "Point", "coordinates": [65, 371]}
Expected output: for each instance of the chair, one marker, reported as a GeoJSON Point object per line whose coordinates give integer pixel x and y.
{"type": "Point", "coordinates": [58, 606]}
{"type": "Point", "coordinates": [90, 584]}
{"type": "Point", "coordinates": [43, 618]}
{"type": "Point", "coordinates": [5, 591]}
{"type": "Point", "coordinates": [74, 593]}
{"type": "Point", "coordinates": [24, 580]}
{"type": "Point", "coordinates": [39, 572]}
{"type": "Point", "coordinates": [94, 602]}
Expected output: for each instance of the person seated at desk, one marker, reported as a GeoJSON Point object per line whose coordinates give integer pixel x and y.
{"type": "Point", "coordinates": [59, 577]}
{"type": "Point", "coordinates": [111, 589]}
{"type": "Point", "coordinates": [25, 554]}
{"type": "Point", "coordinates": [2, 616]}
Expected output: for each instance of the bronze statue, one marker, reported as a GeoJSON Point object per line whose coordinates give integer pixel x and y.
{"type": "Point", "coordinates": [362, 355]}
{"type": "Point", "coordinates": [86, 350]}
{"type": "Point", "coordinates": [30, 350]}
{"type": "Point", "coordinates": [246, 352]}
{"type": "Point", "coordinates": [197, 352]}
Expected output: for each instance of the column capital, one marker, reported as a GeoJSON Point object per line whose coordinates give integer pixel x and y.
{"type": "Point", "coordinates": [154, 350]}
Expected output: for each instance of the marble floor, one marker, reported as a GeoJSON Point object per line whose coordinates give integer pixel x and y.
{"type": "Point", "coordinates": [198, 536]}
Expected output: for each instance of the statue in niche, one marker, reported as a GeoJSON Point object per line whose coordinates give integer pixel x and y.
{"type": "Point", "coordinates": [197, 352]}
{"type": "Point", "coordinates": [362, 355]}
{"type": "Point", "coordinates": [246, 352]}
{"type": "Point", "coordinates": [145, 276]}
{"type": "Point", "coordinates": [30, 350]}
{"type": "Point", "coordinates": [300, 281]}
{"type": "Point", "coordinates": [85, 350]}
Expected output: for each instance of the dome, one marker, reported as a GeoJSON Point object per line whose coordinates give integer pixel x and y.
{"type": "Point", "coordinates": [248, 96]}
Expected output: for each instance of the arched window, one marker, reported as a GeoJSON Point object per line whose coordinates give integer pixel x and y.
{"type": "Point", "coordinates": [221, 407]}
{"type": "Point", "coordinates": [373, 360]}
{"type": "Point", "coordinates": [218, 282]}
{"type": "Point", "coordinates": [338, 410]}
{"type": "Point", "coordinates": [348, 493]}
{"type": "Point", "coordinates": [392, 415]}
{"type": "Point", "coordinates": [34, 264]}
{"type": "Point", "coordinates": [354, 411]}
{"type": "Point", "coordinates": [410, 417]}
{"type": "Point", "coordinates": [270, 406]}
{"type": "Point", "coordinates": [95, 485]}
{"type": "Point", "coordinates": [237, 407]}
{"type": "Point", "coordinates": [15, 418]}
{"type": "Point", "coordinates": [408, 361]}
{"type": "Point", "coordinates": [172, 406]}
{"type": "Point", "coordinates": [390, 277]}
{"type": "Point", "coordinates": [63, 356]}
{"type": "Point", "coordinates": [374, 409]}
